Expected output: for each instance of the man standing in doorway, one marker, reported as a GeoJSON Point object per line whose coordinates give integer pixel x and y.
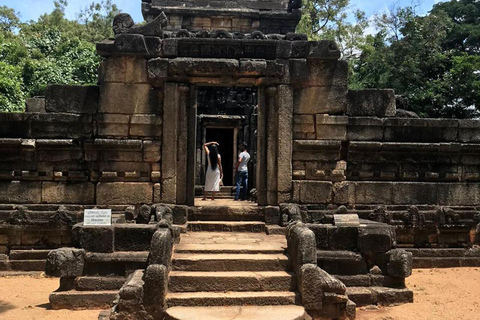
{"type": "Point", "coordinates": [242, 173]}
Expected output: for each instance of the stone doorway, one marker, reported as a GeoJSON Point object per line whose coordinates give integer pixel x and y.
{"type": "Point", "coordinates": [227, 115]}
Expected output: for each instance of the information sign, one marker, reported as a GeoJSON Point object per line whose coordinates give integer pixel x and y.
{"type": "Point", "coordinates": [97, 217]}
{"type": "Point", "coordinates": [348, 220]}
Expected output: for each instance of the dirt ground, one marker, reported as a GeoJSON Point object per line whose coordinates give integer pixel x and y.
{"type": "Point", "coordinates": [446, 294]}
{"type": "Point", "coordinates": [27, 299]}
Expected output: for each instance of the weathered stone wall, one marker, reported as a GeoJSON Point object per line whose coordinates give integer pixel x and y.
{"type": "Point", "coordinates": [131, 140]}
{"type": "Point", "coordinates": [352, 149]}
{"type": "Point", "coordinates": [367, 160]}
{"type": "Point", "coordinates": [241, 16]}
{"type": "Point", "coordinates": [94, 145]}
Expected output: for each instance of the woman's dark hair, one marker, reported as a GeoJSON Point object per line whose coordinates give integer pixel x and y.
{"type": "Point", "coordinates": [213, 156]}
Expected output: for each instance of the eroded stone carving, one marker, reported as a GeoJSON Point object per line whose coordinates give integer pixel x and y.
{"type": "Point", "coordinates": [61, 218]}
{"type": "Point", "coordinates": [123, 23]}
{"type": "Point", "coordinates": [19, 217]}
{"type": "Point", "coordinates": [380, 215]}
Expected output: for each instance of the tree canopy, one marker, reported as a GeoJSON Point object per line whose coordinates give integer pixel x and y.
{"type": "Point", "coordinates": [433, 60]}
{"type": "Point", "coordinates": [50, 50]}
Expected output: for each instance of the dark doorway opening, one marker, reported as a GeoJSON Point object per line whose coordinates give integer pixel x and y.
{"type": "Point", "coordinates": [227, 115]}
{"type": "Point", "coordinates": [225, 137]}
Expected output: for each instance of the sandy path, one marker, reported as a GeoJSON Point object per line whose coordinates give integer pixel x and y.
{"type": "Point", "coordinates": [446, 294]}
{"type": "Point", "coordinates": [440, 294]}
{"type": "Point", "coordinates": [27, 299]}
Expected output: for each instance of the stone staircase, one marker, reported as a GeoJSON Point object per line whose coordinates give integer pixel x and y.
{"type": "Point", "coordinates": [24, 261]}
{"type": "Point", "coordinates": [235, 274]}
{"type": "Point", "coordinates": [226, 192]}
{"type": "Point", "coordinates": [105, 274]}
{"type": "Point", "coordinates": [243, 211]}
{"type": "Point", "coordinates": [364, 286]}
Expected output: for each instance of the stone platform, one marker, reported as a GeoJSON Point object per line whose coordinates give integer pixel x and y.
{"type": "Point", "coordinates": [226, 210]}
{"type": "Point", "coordinates": [238, 313]}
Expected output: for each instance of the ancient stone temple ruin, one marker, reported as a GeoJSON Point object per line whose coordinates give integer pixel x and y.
{"type": "Point", "coordinates": [347, 193]}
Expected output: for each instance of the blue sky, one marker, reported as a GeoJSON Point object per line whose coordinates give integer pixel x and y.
{"type": "Point", "coordinates": [32, 9]}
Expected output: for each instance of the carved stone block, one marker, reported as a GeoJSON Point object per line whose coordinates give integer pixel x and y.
{"type": "Point", "coordinates": [146, 126]}
{"type": "Point", "coordinates": [373, 193]}
{"type": "Point", "coordinates": [71, 99]}
{"type": "Point", "coordinates": [113, 125]}
{"type": "Point", "coordinates": [313, 100]}
{"type": "Point", "coordinates": [94, 238]}
{"type": "Point", "coordinates": [20, 192]}
{"type": "Point", "coordinates": [325, 49]}
{"type": "Point", "coordinates": [68, 193]}
{"type": "Point", "coordinates": [304, 124]}
{"type": "Point", "coordinates": [371, 102]}
{"type": "Point", "coordinates": [124, 193]}
{"type": "Point", "coordinates": [35, 105]}
{"type": "Point", "coordinates": [122, 98]}
{"type": "Point", "coordinates": [331, 128]}
{"type": "Point", "coordinates": [65, 263]}
{"type": "Point", "coordinates": [312, 192]}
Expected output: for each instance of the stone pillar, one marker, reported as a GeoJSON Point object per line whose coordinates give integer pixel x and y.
{"type": "Point", "coordinates": [272, 145]}
{"type": "Point", "coordinates": [182, 146]}
{"type": "Point", "coordinates": [285, 142]}
{"type": "Point", "coordinates": [261, 149]}
{"type": "Point", "coordinates": [274, 150]}
{"type": "Point", "coordinates": [170, 142]}
{"type": "Point", "coordinates": [191, 146]}
{"type": "Point", "coordinates": [178, 158]}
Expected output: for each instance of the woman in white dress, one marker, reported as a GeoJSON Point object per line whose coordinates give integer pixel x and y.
{"type": "Point", "coordinates": [214, 170]}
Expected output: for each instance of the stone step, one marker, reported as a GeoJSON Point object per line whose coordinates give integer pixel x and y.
{"type": "Point", "coordinates": [223, 189]}
{"type": "Point", "coordinates": [222, 196]}
{"type": "Point", "coordinates": [371, 280]}
{"type": "Point", "coordinates": [265, 248]}
{"type": "Point", "coordinates": [438, 252]}
{"type": "Point", "coordinates": [119, 263]}
{"type": "Point", "coordinates": [118, 256]}
{"type": "Point", "coordinates": [229, 262]}
{"type": "Point", "coordinates": [364, 296]}
{"type": "Point", "coordinates": [76, 300]}
{"type": "Point", "coordinates": [27, 265]}
{"type": "Point", "coordinates": [28, 254]}
{"type": "Point", "coordinates": [30, 274]}
{"type": "Point", "coordinates": [275, 230]}
{"type": "Point", "coordinates": [184, 281]}
{"type": "Point", "coordinates": [445, 262]}
{"type": "Point", "coordinates": [288, 312]}
{"type": "Point", "coordinates": [245, 212]}
{"type": "Point", "coordinates": [341, 262]}
{"type": "Point", "coordinates": [99, 283]}
{"type": "Point", "coordinates": [226, 226]}
{"type": "Point", "coordinates": [194, 299]}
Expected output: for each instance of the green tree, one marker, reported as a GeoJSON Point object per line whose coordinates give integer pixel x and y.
{"type": "Point", "coordinates": [98, 20]}
{"type": "Point", "coordinates": [319, 15]}
{"type": "Point", "coordinates": [328, 20]}
{"type": "Point", "coordinates": [50, 50]}
{"type": "Point", "coordinates": [9, 20]}
{"type": "Point", "coordinates": [11, 94]}
{"type": "Point", "coordinates": [350, 37]}
{"type": "Point", "coordinates": [414, 56]}
{"type": "Point", "coordinates": [465, 15]}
